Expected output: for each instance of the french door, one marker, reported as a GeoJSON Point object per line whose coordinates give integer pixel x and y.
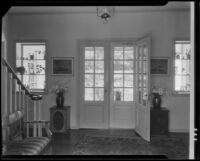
{"type": "Point", "coordinates": [114, 85]}
{"type": "Point", "coordinates": [142, 103]}
{"type": "Point", "coordinates": [94, 101]}
{"type": "Point", "coordinates": [122, 76]}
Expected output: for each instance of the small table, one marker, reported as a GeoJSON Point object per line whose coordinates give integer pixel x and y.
{"type": "Point", "coordinates": [159, 121]}
{"type": "Point", "coordinates": [60, 119]}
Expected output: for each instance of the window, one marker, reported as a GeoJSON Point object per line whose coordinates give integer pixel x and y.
{"type": "Point", "coordinates": [94, 73]}
{"type": "Point", "coordinates": [123, 73]}
{"type": "Point", "coordinates": [182, 66]}
{"type": "Point", "coordinates": [31, 56]}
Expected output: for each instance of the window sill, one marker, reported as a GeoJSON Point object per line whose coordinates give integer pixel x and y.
{"type": "Point", "coordinates": [39, 92]}
{"type": "Point", "coordinates": [181, 93]}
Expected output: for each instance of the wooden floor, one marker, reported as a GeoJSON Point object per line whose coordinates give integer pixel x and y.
{"type": "Point", "coordinates": [63, 144]}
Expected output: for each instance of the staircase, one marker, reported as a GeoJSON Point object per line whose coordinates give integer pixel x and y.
{"type": "Point", "coordinates": [16, 97]}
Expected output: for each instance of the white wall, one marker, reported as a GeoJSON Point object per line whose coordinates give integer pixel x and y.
{"type": "Point", "coordinates": [62, 32]}
{"type": "Point", "coordinates": [4, 36]}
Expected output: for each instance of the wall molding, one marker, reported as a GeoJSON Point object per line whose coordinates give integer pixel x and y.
{"type": "Point", "coordinates": [26, 13]}
{"type": "Point", "coordinates": [179, 130]}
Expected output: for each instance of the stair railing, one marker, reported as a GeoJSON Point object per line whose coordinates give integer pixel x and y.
{"type": "Point", "coordinates": [16, 97]}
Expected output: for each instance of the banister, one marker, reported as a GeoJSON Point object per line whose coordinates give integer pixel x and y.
{"type": "Point", "coordinates": [32, 96]}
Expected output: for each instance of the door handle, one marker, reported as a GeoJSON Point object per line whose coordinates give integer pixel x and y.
{"type": "Point", "coordinates": [105, 90]}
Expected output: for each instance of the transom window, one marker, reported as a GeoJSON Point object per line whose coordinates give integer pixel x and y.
{"type": "Point", "coordinates": [182, 66]}
{"type": "Point", "coordinates": [31, 56]}
{"type": "Point", "coordinates": [123, 73]}
{"type": "Point", "coordinates": [94, 73]}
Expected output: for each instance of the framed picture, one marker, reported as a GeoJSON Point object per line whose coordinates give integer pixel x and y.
{"type": "Point", "coordinates": [160, 66]}
{"type": "Point", "coordinates": [62, 66]}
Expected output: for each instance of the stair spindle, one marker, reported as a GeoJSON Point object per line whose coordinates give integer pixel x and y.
{"type": "Point", "coordinates": [34, 118]}
{"type": "Point", "coordinates": [19, 98]}
{"type": "Point", "coordinates": [11, 92]}
{"type": "Point", "coordinates": [27, 115]}
{"type": "Point", "coordinates": [39, 118]}
{"type": "Point", "coordinates": [15, 95]}
{"type": "Point", "coordinates": [23, 101]}
{"type": "Point", "coordinates": [5, 86]}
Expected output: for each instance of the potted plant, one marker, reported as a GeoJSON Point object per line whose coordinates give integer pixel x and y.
{"type": "Point", "coordinates": [59, 89]}
{"type": "Point", "coordinates": [20, 70]}
{"type": "Point", "coordinates": [157, 93]}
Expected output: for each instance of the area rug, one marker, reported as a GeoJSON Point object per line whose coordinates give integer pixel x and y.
{"type": "Point", "coordinates": [173, 148]}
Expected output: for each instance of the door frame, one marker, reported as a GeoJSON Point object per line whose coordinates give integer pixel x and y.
{"type": "Point", "coordinates": [78, 73]}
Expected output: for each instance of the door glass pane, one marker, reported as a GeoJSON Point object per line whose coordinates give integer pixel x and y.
{"type": "Point", "coordinates": [118, 66]}
{"type": "Point", "coordinates": [136, 80]}
{"type": "Point", "coordinates": [89, 53]}
{"type": "Point", "coordinates": [128, 66]}
{"type": "Point", "coordinates": [137, 53]}
{"type": "Point", "coordinates": [118, 52]}
{"type": "Point", "coordinates": [128, 80]}
{"type": "Point", "coordinates": [118, 94]}
{"type": "Point", "coordinates": [99, 80]}
{"type": "Point", "coordinates": [140, 95]}
{"type": "Point", "coordinates": [140, 81]}
{"type": "Point", "coordinates": [144, 66]}
{"type": "Point", "coordinates": [94, 63]}
{"type": "Point", "coordinates": [89, 94]}
{"type": "Point", "coordinates": [140, 66]}
{"type": "Point", "coordinates": [89, 80]}
{"type": "Point", "coordinates": [128, 94]}
{"type": "Point", "coordinates": [144, 80]}
{"type": "Point", "coordinates": [145, 96]}
{"type": "Point", "coordinates": [89, 66]}
{"type": "Point", "coordinates": [136, 66]}
{"type": "Point", "coordinates": [99, 94]}
{"type": "Point", "coordinates": [99, 66]}
{"type": "Point", "coordinates": [118, 80]}
{"type": "Point", "coordinates": [128, 53]}
{"type": "Point", "coordinates": [99, 53]}
{"type": "Point", "coordinates": [140, 52]}
{"type": "Point", "coordinates": [145, 52]}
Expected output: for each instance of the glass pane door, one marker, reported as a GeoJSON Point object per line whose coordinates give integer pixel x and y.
{"type": "Point", "coordinates": [123, 73]}
{"type": "Point", "coordinates": [142, 77]}
{"type": "Point", "coordinates": [94, 73]}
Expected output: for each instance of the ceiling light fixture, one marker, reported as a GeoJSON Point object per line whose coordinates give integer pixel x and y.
{"type": "Point", "coordinates": [105, 13]}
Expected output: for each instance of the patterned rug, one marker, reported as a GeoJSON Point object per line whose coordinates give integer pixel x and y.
{"type": "Point", "coordinates": [172, 148]}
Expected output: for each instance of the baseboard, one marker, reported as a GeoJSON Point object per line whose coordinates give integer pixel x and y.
{"type": "Point", "coordinates": [113, 128]}
{"type": "Point", "coordinates": [74, 127]}
{"type": "Point", "coordinates": [179, 130]}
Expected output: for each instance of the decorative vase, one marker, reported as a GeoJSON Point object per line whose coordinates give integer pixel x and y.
{"type": "Point", "coordinates": [60, 100]}
{"type": "Point", "coordinates": [156, 101]}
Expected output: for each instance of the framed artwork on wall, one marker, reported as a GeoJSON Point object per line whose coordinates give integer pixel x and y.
{"type": "Point", "coordinates": [160, 66]}
{"type": "Point", "coordinates": [62, 66]}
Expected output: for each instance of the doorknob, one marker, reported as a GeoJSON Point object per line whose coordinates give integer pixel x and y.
{"type": "Point", "coordinates": [105, 90]}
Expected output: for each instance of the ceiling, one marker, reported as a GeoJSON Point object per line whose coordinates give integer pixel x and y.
{"type": "Point", "coordinates": [91, 9]}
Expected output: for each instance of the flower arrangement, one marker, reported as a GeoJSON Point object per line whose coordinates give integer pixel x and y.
{"type": "Point", "coordinates": [156, 90]}
{"type": "Point", "coordinates": [60, 88]}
